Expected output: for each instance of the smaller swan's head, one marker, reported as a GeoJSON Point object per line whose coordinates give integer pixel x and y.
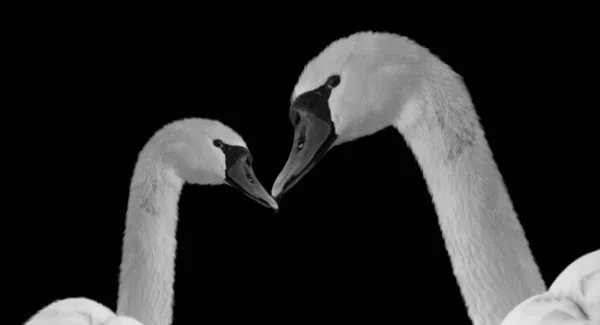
{"type": "Point", "coordinates": [208, 152]}
{"type": "Point", "coordinates": [354, 88]}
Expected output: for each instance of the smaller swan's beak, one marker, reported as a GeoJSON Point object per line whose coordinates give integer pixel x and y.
{"type": "Point", "coordinates": [313, 137]}
{"type": "Point", "coordinates": [241, 176]}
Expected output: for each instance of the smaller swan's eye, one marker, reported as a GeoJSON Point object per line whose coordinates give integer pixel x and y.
{"type": "Point", "coordinates": [218, 143]}
{"type": "Point", "coordinates": [250, 179]}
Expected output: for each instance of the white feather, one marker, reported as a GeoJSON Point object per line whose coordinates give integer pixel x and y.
{"type": "Point", "coordinates": [175, 153]}
{"type": "Point", "coordinates": [79, 311]}
{"type": "Point", "coordinates": [388, 80]}
{"type": "Point", "coordinates": [573, 298]}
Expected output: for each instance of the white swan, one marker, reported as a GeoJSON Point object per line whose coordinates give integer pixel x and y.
{"type": "Point", "coordinates": [368, 81]}
{"type": "Point", "coordinates": [198, 151]}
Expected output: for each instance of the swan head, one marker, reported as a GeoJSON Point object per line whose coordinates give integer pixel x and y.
{"type": "Point", "coordinates": [352, 89]}
{"type": "Point", "coordinates": [207, 152]}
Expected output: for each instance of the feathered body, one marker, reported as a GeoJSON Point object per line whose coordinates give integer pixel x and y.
{"type": "Point", "coordinates": [369, 81]}
{"type": "Point", "coordinates": [186, 151]}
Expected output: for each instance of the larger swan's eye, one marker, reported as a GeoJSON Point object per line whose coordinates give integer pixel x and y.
{"type": "Point", "coordinates": [218, 143]}
{"type": "Point", "coordinates": [333, 81]}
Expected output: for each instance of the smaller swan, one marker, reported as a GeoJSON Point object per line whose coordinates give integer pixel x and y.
{"type": "Point", "coordinates": [198, 151]}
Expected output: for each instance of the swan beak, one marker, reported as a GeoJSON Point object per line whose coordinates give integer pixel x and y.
{"type": "Point", "coordinates": [313, 137]}
{"type": "Point", "coordinates": [241, 176]}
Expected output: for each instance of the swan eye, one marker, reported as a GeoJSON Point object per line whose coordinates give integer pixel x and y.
{"type": "Point", "coordinates": [218, 143]}
{"type": "Point", "coordinates": [250, 179]}
{"type": "Point", "coordinates": [333, 81]}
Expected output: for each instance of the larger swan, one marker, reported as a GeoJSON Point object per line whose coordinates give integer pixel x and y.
{"type": "Point", "coordinates": [197, 151]}
{"type": "Point", "coordinates": [368, 81]}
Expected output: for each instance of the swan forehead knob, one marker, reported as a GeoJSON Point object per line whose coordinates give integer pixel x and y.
{"type": "Point", "coordinates": [205, 151]}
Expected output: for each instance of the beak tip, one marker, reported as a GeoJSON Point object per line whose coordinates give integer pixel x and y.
{"type": "Point", "coordinates": [275, 193]}
{"type": "Point", "coordinates": [274, 204]}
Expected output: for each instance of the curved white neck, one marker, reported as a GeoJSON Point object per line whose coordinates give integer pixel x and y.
{"type": "Point", "coordinates": [147, 267]}
{"type": "Point", "coordinates": [490, 255]}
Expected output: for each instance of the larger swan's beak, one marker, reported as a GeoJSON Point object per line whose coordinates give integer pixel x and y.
{"type": "Point", "coordinates": [313, 137]}
{"type": "Point", "coordinates": [241, 176]}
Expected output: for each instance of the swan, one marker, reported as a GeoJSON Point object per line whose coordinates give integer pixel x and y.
{"type": "Point", "coordinates": [197, 151]}
{"type": "Point", "coordinates": [368, 81]}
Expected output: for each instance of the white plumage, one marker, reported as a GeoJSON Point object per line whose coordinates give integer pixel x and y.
{"type": "Point", "coordinates": [79, 311]}
{"type": "Point", "coordinates": [368, 81]}
{"type": "Point", "coordinates": [573, 298]}
{"type": "Point", "coordinates": [190, 150]}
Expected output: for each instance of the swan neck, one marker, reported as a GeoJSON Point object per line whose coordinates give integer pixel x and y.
{"type": "Point", "coordinates": [147, 267]}
{"type": "Point", "coordinates": [489, 253]}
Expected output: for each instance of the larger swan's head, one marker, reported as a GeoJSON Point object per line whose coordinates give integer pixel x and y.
{"type": "Point", "coordinates": [207, 152]}
{"type": "Point", "coordinates": [353, 88]}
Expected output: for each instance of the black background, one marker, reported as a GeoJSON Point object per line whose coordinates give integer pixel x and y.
{"type": "Point", "coordinates": [357, 239]}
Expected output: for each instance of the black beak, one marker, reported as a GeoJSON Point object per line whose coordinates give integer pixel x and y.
{"type": "Point", "coordinates": [313, 137]}
{"type": "Point", "coordinates": [241, 176]}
